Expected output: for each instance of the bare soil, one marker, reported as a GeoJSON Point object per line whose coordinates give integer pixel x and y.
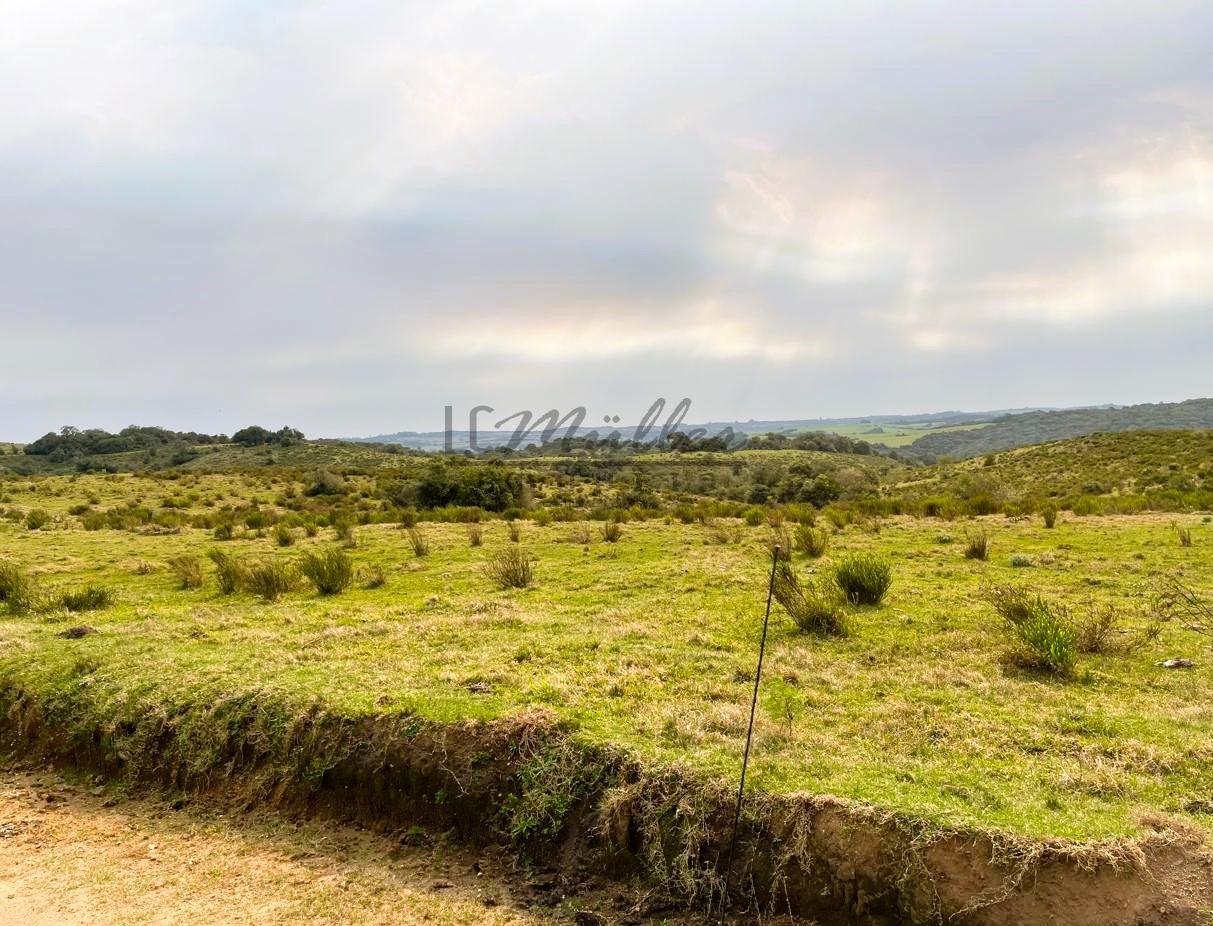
{"type": "Point", "coordinates": [72, 854]}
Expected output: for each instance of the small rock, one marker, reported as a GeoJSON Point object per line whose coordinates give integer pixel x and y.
{"type": "Point", "coordinates": [1176, 664]}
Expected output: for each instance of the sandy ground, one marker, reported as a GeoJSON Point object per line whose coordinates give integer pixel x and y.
{"type": "Point", "coordinates": [71, 854]}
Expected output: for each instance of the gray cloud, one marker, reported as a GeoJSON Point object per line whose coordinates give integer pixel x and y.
{"type": "Point", "coordinates": [344, 216]}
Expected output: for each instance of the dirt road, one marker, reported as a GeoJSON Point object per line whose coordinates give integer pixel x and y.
{"type": "Point", "coordinates": [73, 855]}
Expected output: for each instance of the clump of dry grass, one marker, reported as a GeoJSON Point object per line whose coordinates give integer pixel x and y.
{"type": "Point", "coordinates": [510, 567]}
{"type": "Point", "coordinates": [270, 579]}
{"type": "Point", "coordinates": [230, 571]}
{"type": "Point", "coordinates": [515, 532]}
{"type": "Point", "coordinates": [330, 571]}
{"type": "Point", "coordinates": [1180, 602]}
{"type": "Point", "coordinates": [815, 607]}
{"type": "Point", "coordinates": [978, 546]}
{"type": "Point", "coordinates": [612, 531]}
{"type": "Point", "coordinates": [187, 569]}
{"type": "Point", "coordinates": [475, 535]}
{"type": "Point", "coordinates": [779, 537]}
{"type": "Point", "coordinates": [811, 541]}
{"type": "Point", "coordinates": [374, 577]}
{"type": "Point", "coordinates": [419, 543]}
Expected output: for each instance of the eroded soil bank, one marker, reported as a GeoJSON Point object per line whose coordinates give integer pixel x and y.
{"type": "Point", "coordinates": [594, 815]}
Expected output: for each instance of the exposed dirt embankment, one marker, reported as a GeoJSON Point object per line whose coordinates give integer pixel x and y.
{"type": "Point", "coordinates": [594, 813]}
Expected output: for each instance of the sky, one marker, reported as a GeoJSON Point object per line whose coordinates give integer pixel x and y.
{"type": "Point", "coordinates": [345, 216]}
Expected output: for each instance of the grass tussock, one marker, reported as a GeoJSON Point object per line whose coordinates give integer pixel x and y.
{"type": "Point", "coordinates": [515, 532]}
{"type": "Point", "coordinates": [978, 547]}
{"type": "Point", "coordinates": [231, 572]}
{"type": "Point", "coordinates": [271, 579]}
{"type": "Point", "coordinates": [816, 606]}
{"type": "Point", "coordinates": [1049, 514]}
{"type": "Point", "coordinates": [811, 541]}
{"type": "Point", "coordinates": [90, 598]}
{"type": "Point", "coordinates": [283, 536]}
{"type": "Point", "coordinates": [374, 577]}
{"type": "Point", "coordinates": [475, 535]}
{"type": "Point", "coordinates": [864, 578]}
{"type": "Point", "coordinates": [187, 569]}
{"type": "Point", "coordinates": [1043, 634]}
{"type": "Point", "coordinates": [612, 531]}
{"type": "Point", "coordinates": [778, 537]}
{"type": "Point", "coordinates": [510, 567]}
{"type": "Point", "coordinates": [18, 590]}
{"type": "Point", "coordinates": [330, 571]}
{"type": "Point", "coordinates": [419, 543]}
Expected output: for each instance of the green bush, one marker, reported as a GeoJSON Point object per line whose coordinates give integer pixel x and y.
{"type": "Point", "coordinates": [612, 531]}
{"type": "Point", "coordinates": [1022, 560]}
{"type": "Point", "coordinates": [864, 578]}
{"type": "Point", "coordinates": [187, 569]}
{"type": "Point", "coordinates": [510, 567]}
{"type": "Point", "coordinates": [283, 536]}
{"type": "Point", "coordinates": [270, 579]}
{"type": "Point", "coordinates": [37, 519]}
{"type": "Point", "coordinates": [1050, 517]}
{"type": "Point", "coordinates": [1043, 634]}
{"type": "Point", "coordinates": [16, 588]}
{"type": "Point", "coordinates": [812, 541]}
{"type": "Point", "coordinates": [330, 571]}
{"type": "Point", "coordinates": [92, 598]}
{"type": "Point", "coordinates": [816, 608]}
{"type": "Point", "coordinates": [231, 572]}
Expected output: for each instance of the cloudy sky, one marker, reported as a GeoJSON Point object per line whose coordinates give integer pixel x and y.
{"type": "Point", "coordinates": [345, 215]}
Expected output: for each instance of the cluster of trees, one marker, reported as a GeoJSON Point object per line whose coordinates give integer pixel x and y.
{"type": "Point", "coordinates": [257, 436]}
{"type": "Point", "coordinates": [72, 443]}
{"type": "Point", "coordinates": [493, 487]}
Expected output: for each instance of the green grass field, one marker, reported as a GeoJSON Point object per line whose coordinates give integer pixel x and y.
{"type": "Point", "coordinates": [892, 435]}
{"type": "Point", "coordinates": [649, 644]}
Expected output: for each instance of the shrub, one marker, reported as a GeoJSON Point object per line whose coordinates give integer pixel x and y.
{"type": "Point", "coordinates": [1185, 536]}
{"type": "Point", "coordinates": [778, 536]}
{"type": "Point", "coordinates": [12, 580]}
{"type": "Point", "coordinates": [224, 532]}
{"type": "Point", "coordinates": [978, 546]}
{"type": "Point", "coordinates": [421, 546]}
{"type": "Point", "coordinates": [1178, 601]}
{"type": "Point", "coordinates": [510, 567]}
{"type": "Point", "coordinates": [815, 608]}
{"type": "Point", "coordinates": [270, 579]}
{"type": "Point", "coordinates": [330, 571]}
{"type": "Point", "coordinates": [187, 569]}
{"type": "Point", "coordinates": [408, 518]}
{"type": "Point", "coordinates": [375, 577]}
{"type": "Point", "coordinates": [231, 572]}
{"type": "Point", "coordinates": [1022, 561]}
{"type": "Point", "coordinates": [812, 541]}
{"type": "Point", "coordinates": [345, 533]}
{"type": "Point", "coordinates": [283, 536]}
{"type": "Point", "coordinates": [1044, 635]}
{"type": "Point", "coordinates": [17, 589]}
{"type": "Point", "coordinates": [864, 578]}
{"type": "Point", "coordinates": [515, 532]}
{"type": "Point", "coordinates": [1050, 517]}
{"type": "Point", "coordinates": [37, 519]}
{"type": "Point", "coordinates": [475, 535]}
{"type": "Point", "coordinates": [92, 598]}
{"type": "Point", "coordinates": [612, 531]}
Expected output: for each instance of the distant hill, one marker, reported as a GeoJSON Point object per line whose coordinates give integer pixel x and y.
{"type": "Point", "coordinates": [881, 429]}
{"type": "Point", "coordinates": [1038, 427]}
